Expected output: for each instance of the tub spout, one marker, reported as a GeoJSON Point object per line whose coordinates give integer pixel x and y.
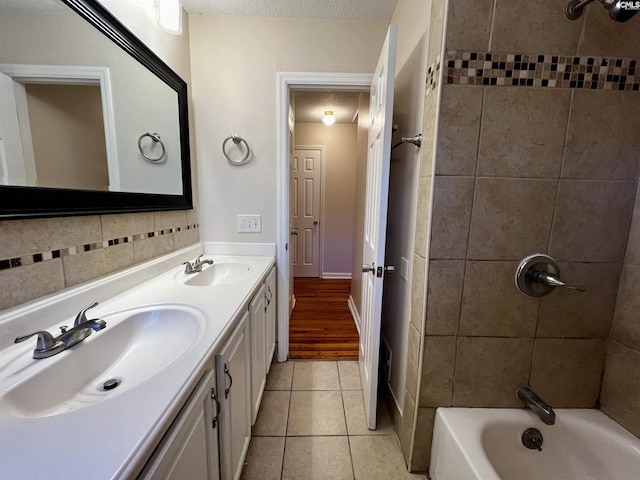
{"type": "Point", "coordinates": [535, 403]}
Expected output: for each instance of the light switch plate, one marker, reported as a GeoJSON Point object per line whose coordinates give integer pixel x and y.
{"type": "Point", "coordinates": [249, 223]}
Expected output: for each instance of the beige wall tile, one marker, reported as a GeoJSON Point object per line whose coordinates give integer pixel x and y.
{"type": "Point", "coordinates": [626, 320]}
{"type": "Point", "coordinates": [29, 282]}
{"type": "Point", "coordinates": [452, 201]}
{"type": "Point", "coordinates": [469, 25]}
{"type": "Point", "coordinates": [600, 146]}
{"type": "Point", "coordinates": [620, 397]}
{"type": "Point", "coordinates": [406, 432]}
{"type": "Point", "coordinates": [602, 36]}
{"type": "Point", "coordinates": [185, 238]}
{"type": "Point", "coordinates": [444, 296]}
{"type": "Point", "coordinates": [192, 217]}
{"type": "Point", "coordinates": [523, 132]}
{"type": "Point", "coordinates": [438, 364]}
{"type": "Point", "coordinates": [592, 221]}
{"type": "Point", "coordinates": [22, 237]}
{"type": "Point", "coordinates": [429, 122]}
{"type": "Point", "coordinates": [86, 266]}
{"type": "Point", "coordinates": [126, 224]}
{"type": "Point", "coordinates": [152, 247]}
{"type": "Point", "coordinates": [511, 218]}
{"type": "Point", "coordinates": [566, 313]}
{"type": "Point", "coordinates": [423, 215]}
{"type": "Point", "coordinates": [459, 130]}
{"type": "Point", "coordinates": [566, 372]}
{"type": "Point", "coordinates": [424, 433]}
{"type": "Point", "coordinates": [172, 219]}
{"type": "Point", "coordinates": [490, 370]}
{"type": "Point", "coordinates": [435, 31]}
{"type": "Point", "coordinates": [534, 27]}
{"type": "Point", "coordinates": [632, 254]}
{"type": "Point", "coordinates": [492, 306]}
{"type": "Point", "coordinates": [418, 292]}
{"type": "Point", "coordinates": [413, 357]}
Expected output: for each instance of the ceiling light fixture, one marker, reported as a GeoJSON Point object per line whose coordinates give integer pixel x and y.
{"type": "Point", "coordinates": [328, 118]}
{"type": "Point", "coordinates": [170, 16]}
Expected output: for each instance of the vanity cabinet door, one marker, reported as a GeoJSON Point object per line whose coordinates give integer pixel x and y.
{"type": "Point", "coordinates": [257, 331]}
{"type": "Point", "coordinates": [270, 336]}
{"type": "Point", "coordinates": [190, 447]}
{"type": "Point", "coordinates": [233, 379]}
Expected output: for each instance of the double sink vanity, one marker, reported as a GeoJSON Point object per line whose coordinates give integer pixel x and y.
{"type": "Point", "coordinates": [168, 388]}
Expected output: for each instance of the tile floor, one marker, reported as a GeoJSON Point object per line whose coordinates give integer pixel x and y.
{"type": "Point", "coordinates": [311, 425]}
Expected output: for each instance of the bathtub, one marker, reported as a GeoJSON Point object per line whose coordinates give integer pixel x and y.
{"type": "Point", "coordinates": [486, 444]}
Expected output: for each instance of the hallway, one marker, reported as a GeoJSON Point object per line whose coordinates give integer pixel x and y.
{"type": "Point", "coordinates": [321, 325]}
{"type": "Point", "coordinates": [311, 425]}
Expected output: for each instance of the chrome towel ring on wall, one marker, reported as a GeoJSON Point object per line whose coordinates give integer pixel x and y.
{"type": "Point", "coordinates": [237, 140]}
{"type": "Point", "coordinates": [156, 139]}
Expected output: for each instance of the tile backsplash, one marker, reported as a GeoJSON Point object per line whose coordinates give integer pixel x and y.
{"type": "Point", "coordinates": [42, 256]}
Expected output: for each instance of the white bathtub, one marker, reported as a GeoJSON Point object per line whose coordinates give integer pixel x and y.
{"type": "Point", "coordinates": [486, 444]}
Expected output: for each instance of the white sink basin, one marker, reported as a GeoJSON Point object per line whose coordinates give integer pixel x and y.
{"type": "Point", "coordinates": [222, 272]}
{"type": "Point", "coordinates": [136, 345]}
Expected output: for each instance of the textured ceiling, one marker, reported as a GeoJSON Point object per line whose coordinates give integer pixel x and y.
{"type": "Point", "coordinates": [343, 9]}
{"type": "Point", "coordinates": [311, 105]}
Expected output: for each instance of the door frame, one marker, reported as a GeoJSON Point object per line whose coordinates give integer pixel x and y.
{"type": "Point", "coordinates": [286, 81]}
{"type": "Point", "coordinates": [321, 149]}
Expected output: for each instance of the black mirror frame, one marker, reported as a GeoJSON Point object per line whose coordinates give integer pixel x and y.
{"type": "Point", "coordinates": [37, 202]}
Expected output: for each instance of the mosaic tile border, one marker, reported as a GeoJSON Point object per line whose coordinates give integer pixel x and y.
{"type": "Point", "coordinates": [88, 247]}
{"type": "Point", "coordinates": [433, 74]}
{"type": "Point", "coordinates": [554, 71]}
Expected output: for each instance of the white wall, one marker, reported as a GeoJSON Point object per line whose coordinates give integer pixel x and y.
{"type": "Point", "coordinates": [339, 181]}
{"type": "Point", "coordinates": [412, 18]}
{"type": "Point", "coordinates": [235, 61]}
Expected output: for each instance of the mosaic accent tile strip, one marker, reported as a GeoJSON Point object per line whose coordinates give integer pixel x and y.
{"type": "Point", "coordinates": [433, 75]}
{"type": "Point", "coordinates": [555, 71]}
{"type": "Point", "coordinates": [88, 247]}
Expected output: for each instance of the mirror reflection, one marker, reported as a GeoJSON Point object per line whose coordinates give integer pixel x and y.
{"type": "Point", "coordinates": [76, 110]}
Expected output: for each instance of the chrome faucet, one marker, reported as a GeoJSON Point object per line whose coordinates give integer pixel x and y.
{"type": "Point", "coordinates": [47, 345]}
{"type": "Point", "coordinates": [197, 265]}
{"type": "Point", "coordinates": [535, 403]}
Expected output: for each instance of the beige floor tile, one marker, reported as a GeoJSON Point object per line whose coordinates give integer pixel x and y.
{"type": "Point", "coordinates": [379, 458]}
{"type": "Point", "coordinates": [316, 413]}
{"type": "Point", "coordinates": [264, 459]}
{"type": "Point", "coordinates": [317, 458]}
{"type": "Point", "coordinates": [356, 419]}
{"type": "Point", "coordinates": [315, 376]}
{"type": "Point", "coordinates": [349, 375]}
{"type": "Point", "coordinates": [280, 376]}
{"type": "Point", "coordinates": [273, 414]}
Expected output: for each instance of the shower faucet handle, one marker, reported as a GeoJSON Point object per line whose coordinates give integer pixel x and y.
{"type": "Point", "coordinates": [538, 275]}
{"type": "Point", "coordinates": [553, 281]}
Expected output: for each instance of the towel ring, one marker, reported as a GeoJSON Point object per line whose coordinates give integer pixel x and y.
{"type": "Point", "coordinates": [236, 140]}
{"type": "Point", "coordinates": [156, 138]}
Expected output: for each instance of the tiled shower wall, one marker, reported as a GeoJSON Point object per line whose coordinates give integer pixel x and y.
{"type": "Point", "coordinates": [42, 256]}
{"type": "Point", "coordinates": [531, 167]}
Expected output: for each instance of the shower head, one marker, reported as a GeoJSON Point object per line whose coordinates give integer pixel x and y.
{"type": "Point", "coordinates": [619, 10]}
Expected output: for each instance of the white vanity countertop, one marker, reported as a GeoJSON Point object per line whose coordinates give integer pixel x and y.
{"type": "Point", "coordinates": [115, 437]}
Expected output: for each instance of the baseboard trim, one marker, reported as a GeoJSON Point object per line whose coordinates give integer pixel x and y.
{"type": "Point", "coordinates": [354, 313]}
{"type": "Point", "coordinates": [336, 275]}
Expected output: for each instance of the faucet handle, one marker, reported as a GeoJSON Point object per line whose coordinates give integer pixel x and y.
{"type": "Point", "coordinates": [188, 267]}
{"type": "Point", "coordinates": [197, 260]}
{"type": "Point", "coordinates": [45, 339]}
{"type": "Point", "coordinates": [82, 316]}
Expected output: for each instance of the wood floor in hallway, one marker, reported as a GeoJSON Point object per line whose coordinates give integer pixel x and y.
{"type": "Point", "coordinates": [321, 325]}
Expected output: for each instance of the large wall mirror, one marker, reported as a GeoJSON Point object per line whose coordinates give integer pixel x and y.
{"type": "Point", "coordinates": [91, 120]}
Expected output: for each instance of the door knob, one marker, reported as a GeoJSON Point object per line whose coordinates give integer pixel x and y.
{"type": "Point", "coordinates": [294, 231]}
{"type": "Point", "coordinates": [315, 224]}
{"type": "Point", "coordinates": [369, 268]}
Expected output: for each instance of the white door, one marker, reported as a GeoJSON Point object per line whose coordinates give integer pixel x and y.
{"type": "Point", "coordinates": [375, 222]}
{"type": "Point", "coordinates": [307, 175]}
